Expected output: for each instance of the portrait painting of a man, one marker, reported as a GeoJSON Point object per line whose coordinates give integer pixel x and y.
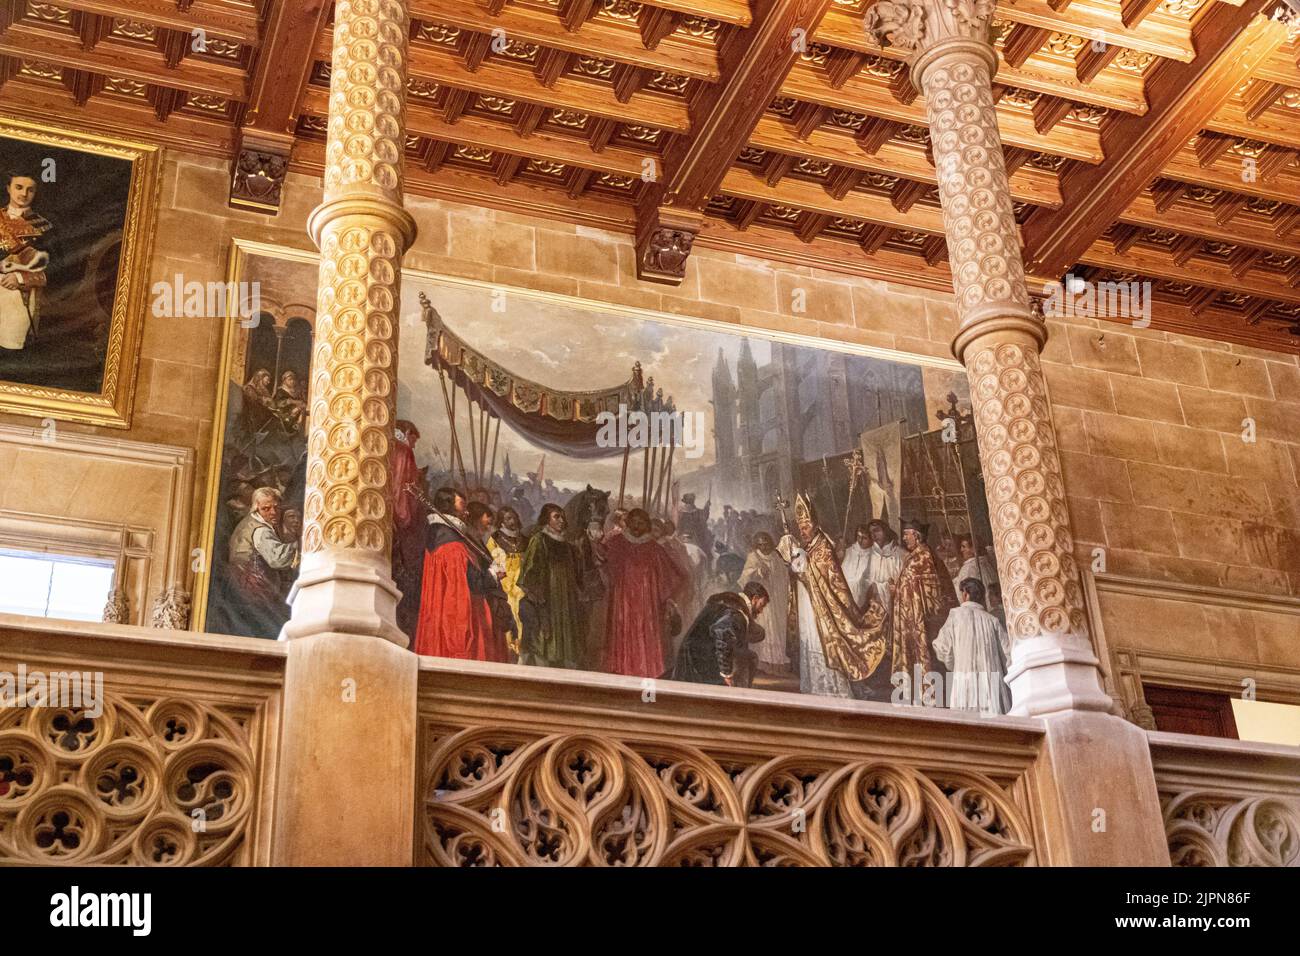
{"type": "Point", "coordinates": [23, 235]}
{"type": "Point", "coordinates": [74, 217]}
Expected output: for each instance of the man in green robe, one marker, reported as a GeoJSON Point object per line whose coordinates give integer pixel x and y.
{"type": "Point", "coordinates": [551, 581]}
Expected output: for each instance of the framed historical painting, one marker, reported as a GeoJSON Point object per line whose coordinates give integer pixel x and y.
{"type": "Point", "coordinates": [612, 481]}
{"type": "Point", "coordinates": [76, 231]}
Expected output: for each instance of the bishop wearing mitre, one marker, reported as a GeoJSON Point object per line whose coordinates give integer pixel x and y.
{"type": "Point", "coordinates": [840, 645]}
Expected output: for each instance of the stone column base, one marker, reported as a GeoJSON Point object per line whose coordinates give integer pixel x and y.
{"type": "Point", "coordinates": [1099, 800]}
{"type": "Point", "coordinates": [1052, 673]}
{"type": "Point", "coordinates": [345, 781]}
{"type": "Point", "coordinates": [345, 592]}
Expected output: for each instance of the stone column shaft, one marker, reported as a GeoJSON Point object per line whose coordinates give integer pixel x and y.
{"type": "Point", "coordinates": [362, 231]}
{"type": "Point", "coordinates": [998, 340]}
{"type": "Point", "coordinates": [350, 686]}
{"type": "Point", "coordinates": [1100, 803]}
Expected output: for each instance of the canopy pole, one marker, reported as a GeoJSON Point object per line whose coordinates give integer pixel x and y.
{"type": "Point", "coordinates": [473, 441]}
{"type": "Point", "coordinates": [665, 484]}
{"type": "Point", "coordinates": [485, 426]}
{"type": "Point", "coordinates": [449, 402]}
{"type": "Point", "coordinates": [656, 476]}
{"type": "Point", "coordinates": [645, 478]}
{"type": "Point", "coordinates": [622, 481]}
{"type": "Point", "coordinates": [492, 473]}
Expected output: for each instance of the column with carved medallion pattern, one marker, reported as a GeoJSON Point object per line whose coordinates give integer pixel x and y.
{"type": "Point", "coordinates": [349, 682]}
{"type": "Point", "coordinates": [1096, 767]}
{"type": "Point", "coordinates": [998, 341]}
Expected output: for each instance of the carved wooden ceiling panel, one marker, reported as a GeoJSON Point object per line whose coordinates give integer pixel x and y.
{"type": "Point", "coordinates": [1146, 139]}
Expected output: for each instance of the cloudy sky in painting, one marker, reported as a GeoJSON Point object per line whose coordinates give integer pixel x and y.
{"type": "Point", "coordinates": [562, 345]}
{"type": "Point", "coordinates": [566, 347]}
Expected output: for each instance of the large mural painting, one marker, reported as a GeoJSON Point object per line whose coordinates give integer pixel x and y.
{"type": "Point", "coordinates": [594, 487]}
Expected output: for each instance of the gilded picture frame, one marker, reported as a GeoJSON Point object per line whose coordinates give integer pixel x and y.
{"type": "Point", "coordinates": [284, 302]}
{"type": "Point", "coordinates": [81, 366]}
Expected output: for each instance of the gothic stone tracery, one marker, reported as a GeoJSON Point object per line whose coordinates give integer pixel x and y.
{"type": "Point", "coordinates": [1211, 828]}
{"type": "Point", "coordinates": [497, 797]}
{"type": "Point", "coordinates": [150, 782]}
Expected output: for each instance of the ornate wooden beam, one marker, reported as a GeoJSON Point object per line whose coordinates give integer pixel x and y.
{"type": "Point", "coordinates": [656, 23]}
{"type": "Point", "coordinates": [1093, 58]}
{"type": "Point", "coordinates": [218, 20]}
{"type": "Point", "coordinates": [1102, 19]}
{"type": "Point", "coordinates": [1133, 12]}
{"type": "Point", "coordinates": [1158, 264]}
{"type": "Point", "coordinates": [1053, 76]}
{"type": "Point", "coordinates": [1210, 146]}
{"type": "Point", "coordinates": [1231, 40]}
{"type": "Point", "coordinates": [797, 194]}
{"type": "Point", "coordinates": [734, 12]}
{"type": "Point", "coordinates": [1230, 172]}
{"type": "Point", "coordinates": [600, 211]}
{"type": "Point", "coordinates": [1022, 43]}
{"type": "Point", "coordinates": [509, 81]}
{"type": "Point", "coordinates": [1028, 183]}
{"type": "Point", "coordinates": [611, 41]}
{"type": "Point", "coordinates": [46, 103]}
{"type": "Point", "coordinates": [1199, 220]}
{"type": "Point", "coordinates": [869, 94]}
{"type": "Point", "coordinates": [145, 65]}
{"type": "Point", "coordinates": [265, 137]}
{"type": "Point", "coordinates": [1048, 111]}
{"type": "Point", "coordinates": [1273, 125]}
{"type": "Point", "coordinates": [1260, 96]}
{"type": "Point", "coordinates": [1093, 18]}
{"type": "Point", "coordinates": [753, 62]}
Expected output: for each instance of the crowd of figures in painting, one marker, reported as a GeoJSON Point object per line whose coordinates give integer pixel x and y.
{"type": "Point", "coordinates": [833, 542]}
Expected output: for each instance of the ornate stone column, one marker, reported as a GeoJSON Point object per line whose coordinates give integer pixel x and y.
{"type": "Point", "coordinates": [1096, 767]}
{"type": "Point", "coordinates": [998, 340]}
{"type": "Point", "coordinates": [349, 685]}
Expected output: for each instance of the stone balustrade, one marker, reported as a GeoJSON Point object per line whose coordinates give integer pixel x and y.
{"type": "Point", "coordinates": [1228, 803]}
{"type": "Point", "coordinates": [175, 764]}
{"type": "Point", "coordinates": [583, 769]}
{"type": "Point", "coordinates": [167, 761]}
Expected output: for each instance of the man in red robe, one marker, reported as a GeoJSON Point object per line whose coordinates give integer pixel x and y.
{"type": "Point", "coordinates": [643, 579]}
{"type": "Point", "coordinates": [409, 524]}
{"type": "Point", "coordinates": [455, 620]}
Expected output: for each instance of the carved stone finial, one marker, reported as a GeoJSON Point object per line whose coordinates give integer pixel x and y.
{"type": "Point", "coordinates": [171, 610]}
{"type": "Point", "coordinates": [117, 610]}
{"type": "Point", "coordinates": [1142, 715]}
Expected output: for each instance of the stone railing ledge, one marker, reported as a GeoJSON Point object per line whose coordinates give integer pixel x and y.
{"type": "Point", "coordinates": [40, 639]}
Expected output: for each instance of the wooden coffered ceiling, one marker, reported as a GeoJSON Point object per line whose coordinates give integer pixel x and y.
{"type": "Point", "coordinates": [1146, 139]}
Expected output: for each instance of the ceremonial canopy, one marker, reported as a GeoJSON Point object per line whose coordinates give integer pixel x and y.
{"type": "Point", "coordinates": [559, 420]}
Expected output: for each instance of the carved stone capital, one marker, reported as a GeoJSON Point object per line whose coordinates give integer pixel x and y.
{"type": "Point", "coordinates": [934, 29]}
{"type": "Point", "coordinates": [917, 25]}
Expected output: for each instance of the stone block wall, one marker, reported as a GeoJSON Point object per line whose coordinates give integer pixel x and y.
{"type": "Point", "coordinates": [1150, 423]}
